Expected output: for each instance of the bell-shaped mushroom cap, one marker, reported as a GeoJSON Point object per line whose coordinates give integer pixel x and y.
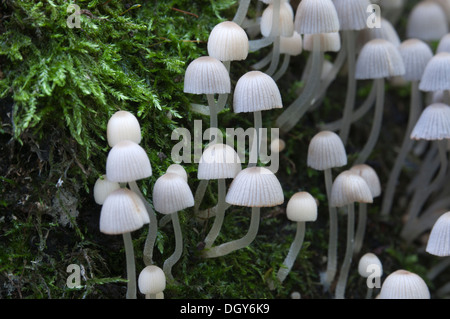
{"type": "Point", "coordinates": [433, 123]}
{"type": "Point", "coordinates": [370, 176]}
{"type": "Point", "coordinates": [171, 194]}
{"type": "Point", "coordinates": [255, 187]}
{"type": "Point", "coordinates": [386, 32]}
{"type": "Point", "coordinates": [403, 284]}
{"type": "Point", "coordinates": [286, 20]}
{"type": "Point", "coordinates": [256, 91]}
{"type": "Point", "coordinates": [126, 162]}
{"type": "Point", "coordinates": [102, 188]}
{"type": "Point", "coordinates": [326, 150]}
{"type": "Point", "coordinates": [277, 145]}
{"type": "Point", "coordinates": [352, 13]}
{"type": "Point", "coordinates": [219, 161]}
{"type": "Point", "coordinates": [379, 58]}
{"type": "Point", "coordinates": [444, 43]}
{"type": "Point", "coordinates": [292, 45]}
{"type": "Point", "coordinates": [348, 188]}
{"type": "Point", "coordinates": [316, 16]}
{"type": "Point", "coordinates": [178, 169]}
{"type": "Point", "coordinates": [367, 263]}
{"type": "Point", "coordinates": [151, 280]}
{"type": "Point", "coordinates": [123, 211]}
{"type": "Point", "coordinates": [329, 42]}
{"type": "Point", "coordinates": [301, 207]}
{"type": "Point", "coordinates": [123, 125]}
{"type": "Point", "coordinates": [206, 75]}
{"type": "Point", "coordinates": [415, 54]}
{"type": "Point", "coordinates": [436, 76]}
{"type": "Point", "coordinates": [228, 42]}
{"type": "Point", "coordinates": [439, 240]}
{"type": "Point", "coordinates": [427, 21]}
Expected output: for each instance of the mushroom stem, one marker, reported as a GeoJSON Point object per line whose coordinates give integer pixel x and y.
{"type": "Point", "coordinates": [360, 228]}
{"type": "Point", "coordinates": [256, 143]}
{"type": "Point", "coordinates": [369, 293]}
{"type": "Point", "coordinates": [275, 56]}
{"type": "Point", "coordinates": [275, 32]}
{"type": "Point", "coordinates": [213, 121]}
{"type": "Point", "coordinates": [152, 226]}
{"type": "Point", "coordinates": [376, 125]}
{"type": "Point", "coordinates": [293, 252]}
{"type": "Point", "coordinates": [351, 85]}
{"type": "Point", "coordinates": [220, 214]}
{"type": "Point", "coordinates": [199, 194]}
{"type": "Point", "coordinates": [289, 118]}
{"type": "Point", "coordinates": [333, 236]}
{"type": "Point", "coordinates": [234, 245]}
{"type": "Point", "coordinates": [414, 112]}
{"type": "Point", "coordinates": [343, 274]}
{"type": "Point", "coordinates": [173, 259]}
{"type": "Point", "coordinates": [283, 68]}
{"type": "Point", "coordinates": [131, 266]}
{"type": "Point", "coordinates": [241, 12]}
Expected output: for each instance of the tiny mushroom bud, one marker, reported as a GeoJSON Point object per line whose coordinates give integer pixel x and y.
{"type": "Point", "coordinates": [151, 281]}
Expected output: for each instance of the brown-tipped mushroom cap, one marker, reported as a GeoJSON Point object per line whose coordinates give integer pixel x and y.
{"type": "Point", "coordinates": [439, 240]}
{"type": "Point", "coordinates": [255, 187]}
{"type": "Point", "coordinates": [171, 194]}
{"type": "Point", "coordinates": [403, 284]}
{"type": "Point", "coordinates": [207, 75]}
{"type": "Point", "coordinates": [326, 150]}
{"type": "Point", "coordinates": [123, 211]}
{"type": "Point", "coordinates": [256, 91]}
{"type": "Point", "coordinates": [228, 42]}
{"type": "Point", "coordinates": [433, 123]}
{"type": "Point", "coordinates": [348, 188]}
{"type": "Point", "coordinates": [302, 207]}
{"type": "Point", "coordinates": [126, 162]}
{"type": "Point", "coordinates": [123, 125]}
{"type": "Point", "coordinates": [316, 16]}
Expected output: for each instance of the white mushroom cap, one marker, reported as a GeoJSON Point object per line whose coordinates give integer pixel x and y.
{"type": "Point", "coordinates": [286, 20]}
{"type": "Point", "coordinates": [415, 54]}
{"type": "Point", "coordinates": [178, 169]}
{"type": "Point", "coordinates": [427, 21]}
{"type": "Point", "coordinates": [369, 259]}
{"type": "Point", "coordinates": [151, 280]}
{"type": "Point", "coordinates": [256, 91]}
{"type": "Point", "coordinates": [302, 207]}
{"type": "Point", "coordinates": [206, 75]}
{"type": "Point", "coordinates": [352, 13]}
{"type": "Point", "coordinates": [102, 188]}
{"type": "Point", "coordinates": [219, 161]}
{"type": "Point", "coordinates": [255, 187]}
{"type": "Point", "coordinates": [348, 188]}
{"type": "Point", "coordinates": [386, 32]}
{"type": "Point", "coordinates": [436, 76]}
{"type": "Point", "coordinates": [292, 45]}
{"type": "Point", "coordinates": [433, 123]}
{"type": "Point", "coordinates": [370, 176]}
{"type": "Point", "coordinates": [439, 240]}
{"type": "Point", "coordinates": [277, 145]}
{"type": "Point", "coordinates": [379, 58]}
{"type": "Point", "coordinates": [444, 43]}
{"type": "Point", "coordinates": [123, 211]}
{"type": "Point", "coordinates": [126, 162]}
{"type": "Point", "coordinates": [316, 16]}
{"type": "Point", "coordinates": [326, 150]}
{"type": "Point", "coordinates": [403, 284]}
{"type": "Point", "coordinates": [228, 42]}
{"type": "Point", "coordinates": [123, 125]}
{"type": "Point", "coordinates": [329, 42]}
{"type": "Point", "coordinates": [171, 194]}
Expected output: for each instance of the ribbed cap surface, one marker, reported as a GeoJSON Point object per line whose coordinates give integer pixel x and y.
{"type": "Point", "coordinates": [228, 42]}
{"type": "Point", "coordinates": [286, 20]}
{"type": "Point", "coordinates": [206, 75]}
{"type": "Point", "coordinates": [316, 16]}
{"type": "Point", "coordinates": [427, 21]}
{"type": "Point", "coordinates": [152, 280]}
{"type": "Point", "coordinates": [415, 54]}
{"type": "Point", "coordinates": [326, 150]}
{"type": "Point", "coordinates": [370, 176]}
{"type": "Point", "coordinates": [329, 42]}
{"type": "Point", "coordinates": [352, 13]}
{"type": "Point", "coordinates": [219, 161]}
{"type": "Point", "coordinates": [255, 187]}
{"type": "Point", "coordinates": [171, 194]}
{"type": "Point", "coordinates": [178, 169]}
{"type": "Point", "coordinates": [291, 45]}
{"type": "Point", "coordinates": [433, 123]}
{"type": "Point", "coordinates": [402, 284]}
{"type": "Point", "coordinates": [439, 240]}
{"type": "Point", "coordinates": [386, 32]}
{"type": "Point", "coordinates": [302, 207]}
{"type": "Point", "coordinates": [256, 91]}
{"type": "Point", "coordinates": [348, 188]}
{"type": "Point", "coordinates": [436, 76]}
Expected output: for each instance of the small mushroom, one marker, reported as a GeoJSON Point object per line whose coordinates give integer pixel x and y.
{"type": "Point", "coordinates": [152, 282]}
{"type": "Point", "coordinates": [403, 284]}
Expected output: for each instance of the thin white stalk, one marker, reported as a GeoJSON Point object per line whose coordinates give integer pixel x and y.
{"type": "Point", "coordinates": [176, 255]}
{"type": "Point", "coordinates": [283, 68]}
{"type": "Point", "coordinates": [275, 57]}
{"type": "Point", "coordinates": [376, 124]}
{"type": "Point", "coordinates": [229, 247]}
{"type": "Point", "coordinates": [213, 117]}
{"type": "Point", "coordinates": [293, 252]}
{"type": "Point", "coordinates": [199, 194]}
{"type": "Point", "coordinates": [241, 11]}
{"type": "Point", "coordinates": [275, 32]}
{"type": "Point", "coordinates": [220, 214]}
{"type": "Point", "coordinates": [333, 235]}
{"type": "Point", "coordinates": [343, 274]}
{"type": "Point", "coordinates": [414, 112]}
{"type": "Point", "coordinates": [360, 228]}
{"type": "Point", "coordinates": [256, 143]}
{"type": "Point", "coordinates": [131, 266]}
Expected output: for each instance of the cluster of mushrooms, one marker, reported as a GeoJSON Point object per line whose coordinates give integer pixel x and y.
{"type": "Point", "coordinates": [374, 54]}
